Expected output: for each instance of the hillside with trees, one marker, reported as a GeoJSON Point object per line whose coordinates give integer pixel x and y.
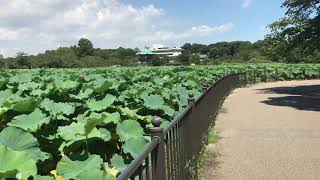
{"type": "Point", "coordinates": [294, 38]}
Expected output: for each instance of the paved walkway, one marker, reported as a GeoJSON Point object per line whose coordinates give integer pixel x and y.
{"type": "Point", "coordinates": [269, 131]}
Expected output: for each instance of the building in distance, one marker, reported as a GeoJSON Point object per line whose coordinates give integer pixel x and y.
{"type": "Point", "coordinates": [161, 51]}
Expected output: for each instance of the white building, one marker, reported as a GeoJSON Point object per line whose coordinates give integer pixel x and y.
{"type": "Point", "coordinates": [161, 51]}
{"type": "Point", "coordinates": [166, 51]}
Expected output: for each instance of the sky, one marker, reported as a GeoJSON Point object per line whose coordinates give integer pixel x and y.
{"type": "Point", "coordinates": [34, 26]}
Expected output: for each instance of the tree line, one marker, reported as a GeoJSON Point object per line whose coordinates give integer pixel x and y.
{"type": "Point", "coordinates": [81, 55]}
{"type": "Point", "coordinates": [294, 38]}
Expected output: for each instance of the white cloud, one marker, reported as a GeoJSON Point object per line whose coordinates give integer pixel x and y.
{"type": "Point", "coordinates": [194, 32]}
{"type": "Point", "coordinates": [6, 34]}
{"type": "Point", "coordinates": [207, 30]}
{"type": "Point", "coordinates": [36, 25]}
{"type": "Point", "coordinates": [246, 3]}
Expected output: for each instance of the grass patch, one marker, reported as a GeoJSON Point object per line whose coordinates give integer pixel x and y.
{"type": "Point", "coordinates": [213, 137]}
{"type": "Point", "coordinates": [209, 152]}
{"type": "Point", "coordinates": [223, 110]}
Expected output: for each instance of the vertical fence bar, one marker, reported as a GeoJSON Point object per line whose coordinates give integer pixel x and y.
{"type": "Point", "coordinates": [168, 155]}
{"type": "Point", "coordinates": [246, 78]}
{"type": "Point", "coordinates": [170, 133]}
{"type": "Point", "coordinates": [176, 150]}
{"type": "Point", "coordinates": [191, 101]}
{"type": "Point", "coordinates": [140, 169]}
{"type": "Point", "coordinates": [147, 169]}
{"type": "Point", "coordinates": [157, 155]}
{"type": "Point", "coordinates": [180, 153]}
{"type": "Point", "coordinates": [265, 74]}
{"type": "Point", "coordinates": [254, 76]}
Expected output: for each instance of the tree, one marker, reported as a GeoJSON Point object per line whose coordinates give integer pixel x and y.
{"type": "Point", "coordinates": [195, 59]}
{"type": "Point", "coordinates": [183, 59]}
{"type": "Point", "coordinates": [156, 61]}
{"type": "Point", "coordinates": [1, 56]}
{"type": "Point", "coordinates": [85, 47]}
{"type": "Point", "coordinates": [271, 48]}
{"type": "Point", "coordinates": [23, 60]}
{"type": "Point", "coordinates": [187, 47]}
{"type": "Point", "coordinates": [300, 28]}
{"type": "Point", "coordinates": [123, 53]}
{"type": "Point", "coordinates": [245, 55]}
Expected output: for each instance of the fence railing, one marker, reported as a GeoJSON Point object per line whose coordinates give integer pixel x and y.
{"type": "Point", "coordinates": [174, 151]}
{"type": "Point", "coordinates": [253, 76]}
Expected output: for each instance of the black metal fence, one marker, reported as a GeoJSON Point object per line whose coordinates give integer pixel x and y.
{"type": "Point", "coordinates": [174, 151]}
{"type": "Point", "coordinates": [253, 76]}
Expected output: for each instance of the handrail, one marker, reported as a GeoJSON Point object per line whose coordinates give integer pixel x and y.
{"type": "Point", "coordinates": [176, 119]}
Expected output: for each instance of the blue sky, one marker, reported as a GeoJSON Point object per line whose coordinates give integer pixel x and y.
{"type": "Point", "coordinates": [248, 16]}
{"type": "Point", "coordinates": [33, 27]}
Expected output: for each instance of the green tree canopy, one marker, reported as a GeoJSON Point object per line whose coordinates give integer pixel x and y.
{"type": "Point", "coordinates": [85, 47]}
{"type": "Point", "coordinates": [184, 59]}
{"type": "Point", "coordinates": [23, 59]}
{"type": "Point", "coordinates": [300, 28]}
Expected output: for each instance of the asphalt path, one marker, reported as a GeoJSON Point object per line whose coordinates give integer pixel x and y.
{"type": "Point", "coordinates": [268, 131]}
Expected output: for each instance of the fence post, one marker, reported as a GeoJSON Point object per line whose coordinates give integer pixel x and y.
{"type": "Point", "coordinates": [246, 78]}
{"type": "Point", "coordinates": [158, 154]}
{"type": "Point", "coordinates": [190, 98]}
{"type": "Point", "coordinates": [204, 88]}
{"type": "Point", "coordinates": [277, 74]}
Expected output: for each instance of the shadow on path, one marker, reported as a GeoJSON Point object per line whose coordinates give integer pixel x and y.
{"type": "Point", "coordinates": [300, 97]}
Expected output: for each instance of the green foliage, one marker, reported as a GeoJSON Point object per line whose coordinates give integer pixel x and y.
{"type": "Point", "coordinates": [296, 37]}
{"type": "Point", "coordinates": [56, 109]}
{"type": "Point", "coordinates": [156, 61]}
{"type": "Point", "coordinates": [129, 129]}
{"type": "Point", "coordinates": [80, 169]}
{"type": "Point", "coordinates": [85, 47]}
{"type": "Point", "coordinates": [95, 105]}
{"type": "Point", "coordinates": [19, 140]}
{"type": "Point", "coordinates": [74, 118]}
{"type": "Point", "coordinates": [194, 59]}
{"type": "Point", "coordinates": [275, 47]}
{"type": "Point", "coordinates": [183, 59]}
{"type": "Point", "coordinates": [23, 60]}
{"type": "Point", "coordinates": [153, 101]}
{"type": "Point", "coordinates": [135, 146]}
{"type": "Point", "coordinates": [31, 122]}
{"type": "Point", "coordinates": [82, 55]}
{"type": "Point", "coordinates": [118, 162]}
{"type": "Point", "coordinates": [16, 164]}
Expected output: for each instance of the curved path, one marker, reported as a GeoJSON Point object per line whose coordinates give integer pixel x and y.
{"type": "Point", "coordinates": [268, 131]}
